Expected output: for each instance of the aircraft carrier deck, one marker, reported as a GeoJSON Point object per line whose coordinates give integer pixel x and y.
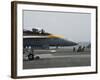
{"type": "Point", "coordinates": [60, 58]}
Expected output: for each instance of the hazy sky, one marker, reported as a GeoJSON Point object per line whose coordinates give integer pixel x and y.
{"type": "Point", "coordinates": [73, 26]}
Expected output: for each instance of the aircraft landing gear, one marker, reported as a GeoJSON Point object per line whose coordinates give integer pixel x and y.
{"type": "Point", "coordinates": [30, 57]}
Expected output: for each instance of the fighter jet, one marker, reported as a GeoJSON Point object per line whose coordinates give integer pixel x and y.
{"type": "Point", "coordinates": [39, 39]}
{"type": "Point", "coordinates": [43, 40]}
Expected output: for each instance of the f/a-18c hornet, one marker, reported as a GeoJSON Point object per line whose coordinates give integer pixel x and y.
{"type": "Point", "coordinates": [36, 39]}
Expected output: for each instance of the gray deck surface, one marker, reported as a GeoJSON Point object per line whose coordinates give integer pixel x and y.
{"type": "Point", "coordinates": [61, 58]}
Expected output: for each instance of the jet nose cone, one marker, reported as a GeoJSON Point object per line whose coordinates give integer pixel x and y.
{"type": "Point", "coordinates": [75, 43]}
